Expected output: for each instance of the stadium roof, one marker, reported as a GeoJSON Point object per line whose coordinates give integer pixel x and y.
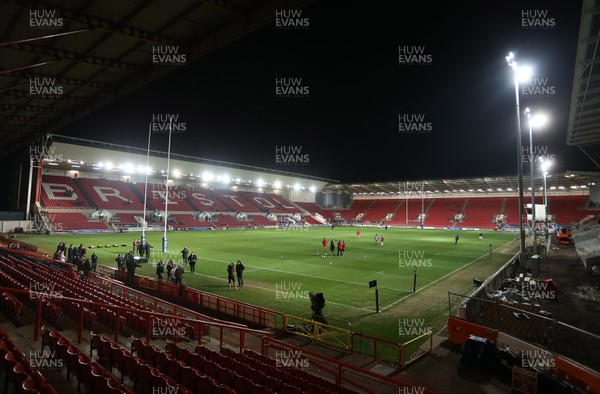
{"type": "Point", "coordinates": [63, 59]}
{"type": "Point", "coordinates": [584, 118]}
{"type": "Point", "coordinates": [80, 155]}
{"type": "Point", "coordinates": [570, 181]}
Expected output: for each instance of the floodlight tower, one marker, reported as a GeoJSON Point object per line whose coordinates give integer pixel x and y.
{"type": "Point", "coordinates": [164, 240]}
{"type": "Point", "coordinates": [145, 223]}
{"type": "Point", "coordinates": [537, 120]}
{"type": "Point", "coordinates": [518, 75]}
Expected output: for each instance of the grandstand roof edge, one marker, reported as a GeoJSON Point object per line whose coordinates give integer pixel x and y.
{"type": "Point", "coordinates": [124, 148]}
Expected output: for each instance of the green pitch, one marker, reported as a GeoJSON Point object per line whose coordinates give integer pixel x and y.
{"type": "Point", "coordinates": [282, 266]}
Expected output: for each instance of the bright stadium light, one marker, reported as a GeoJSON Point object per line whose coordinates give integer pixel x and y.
{"type": "Point", "coordinates": [176, 173]}
{"type": "Point", "coordinates": [128, 168]}
{"type": "Point", "coordinates": [277, 185]}
{"type": "Point", "coordinates": [108, 165]}
{"type": "Point", "coordinates": [312, 189]}
{"type": "Point", "coordinates": [297, 186]}
{"type": "Point", "coordinates": [207, 176]}
{"type": "Point", "coordinates": [225, 179]}
{"type": "Point", "coordinates": [260, 183]}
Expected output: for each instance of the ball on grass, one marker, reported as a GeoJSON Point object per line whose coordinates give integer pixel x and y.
{"type": "Point", "coordinates": [330, 262]}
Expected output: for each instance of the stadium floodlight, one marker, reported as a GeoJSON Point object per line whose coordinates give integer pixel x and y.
{"type": "Point", "coordinates": [546, 164]}
{"type": "Point", "coordinates": [510, 59]}
{"type": "Point", "coordinates": [128, 168]}
{"type": "Point", "coordinates": [297, 187]}
{"type": "Point", "coordinates": [108, 165]}
{"type": "Point", "coordinates": [225, 179]}
{"type": "Point", "coordinates": [533, 121]}
{"type": "Point", "coordinates": [176, 173]}
{"type": "Point", "coordinates": [260, 183]}
{"type": "Point", "coordinates": [207, 176]}
{"type": "Point", "coordinates": [312, 189]}
{"type": "Point", "coordinates": [277, 185]}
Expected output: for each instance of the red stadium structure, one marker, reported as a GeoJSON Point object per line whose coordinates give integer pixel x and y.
{"type": "Point", "coordinates": [60, 333]}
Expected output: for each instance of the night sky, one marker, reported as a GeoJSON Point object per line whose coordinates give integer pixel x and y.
{"type": "Point", "coordinates": [348, 123]}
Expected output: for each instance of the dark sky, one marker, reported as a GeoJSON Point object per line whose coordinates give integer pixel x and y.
{"type": "Point", "coordinates": [348, 57]}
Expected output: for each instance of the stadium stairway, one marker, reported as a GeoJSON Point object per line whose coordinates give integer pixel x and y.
{"type": "Point", "coordinates": [85, 193]}
{"type": "Point", "coordinates": [136, 191]}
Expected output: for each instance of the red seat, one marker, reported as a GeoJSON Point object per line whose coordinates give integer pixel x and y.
{"type": "Point", "coordinates": [289, 389]}
{"type": "Point", "coordinates": [240, 368]}
{"type": "Point", "coordinates": [95, 343]}
{"type": "Point", "coordinates": [174, 368]}
{"type": "Point", "coordinates": [272, 383]}
{"type": "Point", "coordinates": [197, 361]}
{"type": "Point", "coordinates": [205, 384]}
{"type": "Point", "coordinates": [27, 387]}
{"type": "Point", "coordinates": [260, 389]}
{"type": "Point", "coordinates": [119, 358]}
{"type": "Point", "coordinates": [224, 376]}
{"type": "Point", "coordinates": [312, 388]}
{"type": "Point", "coordinates": [241, 384]}
{"type": "Point", "coordinates": [211, 368]}
{"type": "Point", "coordinates": [18, 375]}
{"type": "Point", "coordinates": [296, 381]}
{"type": "Point", "coordinates": [184, 354]}
{"type": "Point", "coordinates": [188, 376]}
{"type": "Point", "coordinates": [146, 375]}
{"type": "Point", "coordinates": [72, 360]}
{"type": "Point", "coordinates": [105, 352]}
{"type": "Point", "coordinates": [222, 389]}
{"type": "Point", "coordinates": [255, 376]}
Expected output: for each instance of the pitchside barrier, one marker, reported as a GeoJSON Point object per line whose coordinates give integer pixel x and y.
{"type": "Point", "coordinates": [528, 322]}
{"type": "Point", "coordinates": [324, 333]}
{"type": "Point", "coordinates": [330, 335]}
{"type": "Point", "coordinates": [346, 375]}
{"type": "Point", "coordinates": [524, 319]}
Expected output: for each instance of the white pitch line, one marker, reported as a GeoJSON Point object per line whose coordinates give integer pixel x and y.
{"type": "Point", "coordinates": [271, 290]}
{"type": "Point", "coordinates": [308, 276]}
{"type": "Point", "coordinates": [439, 279]}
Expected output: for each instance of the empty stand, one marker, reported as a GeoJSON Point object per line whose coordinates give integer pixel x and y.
{"type": "Point", "coordinates": [111, 195]}
{"type": "Point", "coordinates": [61, 192]}
{"type": "Point", "coordinates": [71, 221]}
